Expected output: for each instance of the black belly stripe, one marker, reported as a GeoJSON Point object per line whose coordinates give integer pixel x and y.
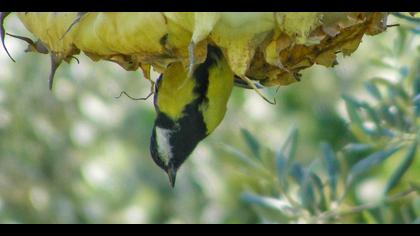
{"type": "Point", "coordinates": [190, 129]}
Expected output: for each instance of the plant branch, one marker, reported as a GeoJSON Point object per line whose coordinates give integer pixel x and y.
{"type": "Point", "coordinates": [409, 18]}
{"type": "Point", "coordinates": [368, 206]}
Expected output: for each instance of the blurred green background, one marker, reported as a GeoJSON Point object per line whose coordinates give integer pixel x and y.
{"type": "Point", "coordinates": [78, 155]}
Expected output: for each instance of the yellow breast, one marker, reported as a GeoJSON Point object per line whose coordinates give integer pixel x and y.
{"type": "Point", "coordinates": [175, 91]}
{"type": "Point", "coordinates": [218, 93]}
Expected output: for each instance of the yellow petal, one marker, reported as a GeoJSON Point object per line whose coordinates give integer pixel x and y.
{"type": "Point", "coordinates": [239, 34]}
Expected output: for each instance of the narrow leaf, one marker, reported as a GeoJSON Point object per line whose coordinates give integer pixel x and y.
{"type": "Point", "coordinates": [402, 168]}
{"type": "Point", "coordinates": [382, 63]}
{"type": "Point", "coordinates": [415, 186]}
{"type": "Point", "coordinates": [307, 195]}
{"type": "Point", "coordinates": [252, 143]}
{"type": "Point", "coordinates": [400, 41]}
{"type": "Point", "coordinates": [289, 147]}
{"type": "Point", "coordinates": [372, 114]}
{"type": "Point", "coordinates": [271, 203]}
{"type": "Point", "coordinates": [394, 89]}
{"type": "Point", "coordinates": [297, 172]}
{"type": "Point", "coordinates": [416, 104]}
{"type": "Point", "coordinates": [241, 156]}
{"type": "Point", "coordinates": [404, 71]}
{"type": "Point", "coordinates": [416, 80]}
{"type": "Point", "coordinates": [317, 183]}
{"type": "Point", "coordinates": [369, 162]}
{"type": "Point", "coordinates": [286, 156]}
{"type": "Point", "coordinates": [331, 163]}
{"type": "Point", "coordinates": [357, 147]}
{"type": "Point", "coordinates": [373, 90]}
{"type": "Point", "coordinates": [416, 99]}
{"type": "Point", "coordinates": [281, 166]}
{"type": "Point", "coordinates": [352, 105]}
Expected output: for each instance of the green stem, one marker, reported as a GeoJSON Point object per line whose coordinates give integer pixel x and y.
{"type": "Point", "coordinates": [368, 206]}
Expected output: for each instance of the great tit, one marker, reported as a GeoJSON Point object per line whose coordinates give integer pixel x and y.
{"type": "Point", "coordinates": [188, 108]}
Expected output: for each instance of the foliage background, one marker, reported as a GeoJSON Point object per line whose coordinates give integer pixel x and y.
{"type": "Point", "coordinates": [78, 155]}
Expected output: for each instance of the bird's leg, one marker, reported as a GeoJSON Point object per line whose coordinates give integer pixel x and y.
{"type": "Point", "coordinates": [242, 84]}
{"type": "Point", "coordinates": [152, 91]}
{"type": "Point", "coordinates": [133, 98]}
{"type": "Point", "coordinates": [254, 87]}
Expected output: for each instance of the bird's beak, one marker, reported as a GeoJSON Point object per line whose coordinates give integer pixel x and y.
{"type": "Point", "coordinates": [171, 171]}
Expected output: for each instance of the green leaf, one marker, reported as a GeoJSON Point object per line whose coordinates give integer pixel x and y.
{"type": "Point", "coordinates": [357, 147]}
{"type": "Point", "coordinates": [252, 143]}
{"type": "Point", "coordinates": [406, 17]}
{"type": "Point", "coordinates": [416, 99]}
{"type": "Point", "coordinates": [297, 172]}
{"type": "Point", "coordinates": [281, 167]}
{"type": "Point", "coordinates": [416, 103]}
{"type": "Point", "coordinates": [381, 63]}
{"type": "Point", "coordinates": [352, 105]}
{"type": "Point", "coordinates": [404, 71]}
{"type": "Point", "coordinates": [400, 41]}
{"type": "Point", "coordinates": [317, 183]}
{"type": "Point", "coordinates": [331, 163]}
{"type": "Point", "coordinates": [416, 187]}
{"type": "Point", "coordinates": [387, 115]}
{"type": "Point", "coordinates": [240, 156]}
{"type": "Point", "coordinates": [394, 89]}
{"type": "Point", "coordinates": [373, 90]}
{"type": "Point", "coordinates": [307, 195]}
{"type": "Point", "coordinates": [286, 155]}
{"type": "Point", "coordinates": [372, 114]}
{"type": "Point", "coordinates": [289, 147]}
{"type": "Point", "coordinates": [402, 168]}
{"type": "Point", "coordinates": [370, 162]}
{"type": "Point", "coordinates": [271, 203]}
{"type": "Point", "coordinates": [416, 80]}
{"type": "Point", "coordinates": [369, 218]}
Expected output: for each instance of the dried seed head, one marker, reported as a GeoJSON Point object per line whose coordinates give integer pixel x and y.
{"type": "Point", "coordinates": [271, 48]}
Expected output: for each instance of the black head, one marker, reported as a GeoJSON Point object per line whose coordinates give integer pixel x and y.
{"type": "Point", "coordinates": [173, 141]}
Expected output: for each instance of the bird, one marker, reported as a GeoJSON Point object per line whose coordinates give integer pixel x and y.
{"type": "Point", "coordinates": [189, 107]}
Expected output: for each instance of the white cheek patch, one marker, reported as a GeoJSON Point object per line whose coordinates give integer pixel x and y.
{"type": "Point", "coordinates": [164, 147]}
